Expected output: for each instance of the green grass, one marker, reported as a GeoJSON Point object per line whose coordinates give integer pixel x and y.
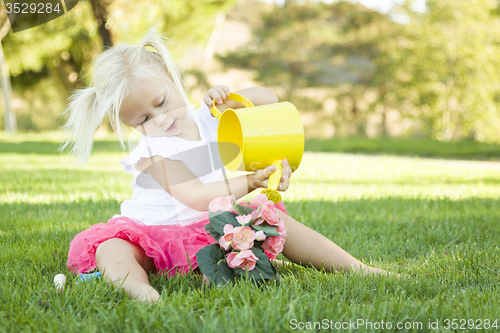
{"type": "Point", "coordinates": [434, 219]}
{"type": "Point", "coordinates": [469, 150]}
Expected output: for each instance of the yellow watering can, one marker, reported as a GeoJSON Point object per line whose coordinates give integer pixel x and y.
{"type": "Point", "coordinates": [264, 135]}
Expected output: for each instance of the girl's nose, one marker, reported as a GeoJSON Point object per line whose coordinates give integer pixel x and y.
{"type": "Point", "coordinates": [160, 119]}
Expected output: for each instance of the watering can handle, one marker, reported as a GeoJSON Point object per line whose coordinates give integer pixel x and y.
{"type": "Point", "coordinates": [275, 177]}
{"type": "Point", "coordinates": [233, 97]}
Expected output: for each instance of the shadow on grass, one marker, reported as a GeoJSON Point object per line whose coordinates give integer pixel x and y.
{"type": "Point", "coordinates": [470, 150]}
{"type": "Point", "coordinates": [50, 148]}
{"type": "Point", "coordinates": [425, 181]}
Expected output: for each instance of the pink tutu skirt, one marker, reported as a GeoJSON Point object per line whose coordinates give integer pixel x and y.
{"type": "Point", "coordinates": [172, 248]}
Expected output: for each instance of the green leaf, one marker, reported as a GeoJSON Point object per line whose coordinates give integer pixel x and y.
{"type": "Point", "coordinates": [258, 244]}
{"type": "Point", "coordinates": [262, 270]}
{"type": "Point", "coordinates": [242, 210]}
{"type": "Point", "coordinates": [209, 261]}
{"type": "Point", "coordinates": [218, 220]}
{"type": "Point", "coordinates": [269, 230]}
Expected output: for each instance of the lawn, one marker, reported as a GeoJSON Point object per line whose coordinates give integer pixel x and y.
{"type": "Point", "coordinates": [436, 220]}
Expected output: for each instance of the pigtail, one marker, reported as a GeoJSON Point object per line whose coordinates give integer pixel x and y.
{"type": "Point", "coordinates": [155, 40]}
{"type": "Point", "coordinates": [84, 119]}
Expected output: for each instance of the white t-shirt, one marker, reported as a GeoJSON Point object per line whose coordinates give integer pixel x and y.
{"type": "Point", "coordinates": [150, 203]}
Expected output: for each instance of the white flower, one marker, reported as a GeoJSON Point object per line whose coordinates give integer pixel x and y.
{"type": "Point", "coordinates": [244, 219]}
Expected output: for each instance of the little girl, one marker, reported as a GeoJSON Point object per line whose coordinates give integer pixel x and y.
{"type": "Point", "coordinates": [161, 228]}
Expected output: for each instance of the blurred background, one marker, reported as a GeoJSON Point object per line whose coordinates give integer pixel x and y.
{"type": "Point", "coordinates": [375, 69]}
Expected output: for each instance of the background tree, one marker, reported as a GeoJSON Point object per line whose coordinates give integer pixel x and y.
{"type": "Point", "coordinates": [446, 70]}
{"type": "Point", "coordinates": [440, 70]}
{"type": "Point", "coordinates": [315, 45]}
{"type": "Point", "coordinates": [48, 61]}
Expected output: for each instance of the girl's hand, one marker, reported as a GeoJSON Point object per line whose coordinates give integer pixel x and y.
{"type": "Point", "coordinates": [286, 173]}
{"type": "Point", "coordinates": [219, 93]}
{"type": "Point", "coordinates": [261, 177]}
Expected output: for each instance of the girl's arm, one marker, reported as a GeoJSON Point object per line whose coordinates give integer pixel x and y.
{"type": "Point", "coordinates": [175, 178]}
{"type": "Point", "coordinates": [256, 95]}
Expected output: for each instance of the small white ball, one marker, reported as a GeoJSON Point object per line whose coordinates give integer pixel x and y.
{"type": "Point", "coordinates": [60, 281]}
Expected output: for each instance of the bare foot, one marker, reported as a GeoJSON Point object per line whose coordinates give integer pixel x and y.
{"type": "Point", "coordinates": [205, 280]}
{"type": "Point", "coordinates": [148, 295]}
{"type": "Point", "coordinates": [369, 270]}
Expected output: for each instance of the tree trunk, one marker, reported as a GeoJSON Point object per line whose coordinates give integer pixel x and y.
{"type": "Point", "coordinates": [359, 127]}
{"type": "Point", "coordinates": [382, 98]}
{"type": "Point", "coordinates": [9, 112]}
{"type": "Point", "coordinates": [100, 9]}
{"type": "Point", "coordinates": [384, 121]}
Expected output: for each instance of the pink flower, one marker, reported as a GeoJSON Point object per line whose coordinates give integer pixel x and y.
{"type": "Point", "coordinates": [243, 238]}
{"type": "Point", "coordinates": [244, 260]}
{"type": "Point", "coordinates": [227, 240]}
{"type": "Point", "coordinates": [274, 244]}
{"type": "Point", "coordinates": [222, 203]}
{"type": "Point", "coordinates": [243, 203]}
{"type": "Point", "coordinates": [258, 222]}
{"type": "Point", "coordinates": [269, 213]}
{"type": "Point", "coordinates": [259, 200]}
{"type": "Point", "coordinates": [260, 236]}
{"type": "Point", "coordinates": [281, 227]}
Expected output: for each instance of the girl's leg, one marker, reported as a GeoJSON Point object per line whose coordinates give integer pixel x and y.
{"type": "Point", "coordinates": [307, 247]}
{"type": "Point", "coordinates": [125, 264]}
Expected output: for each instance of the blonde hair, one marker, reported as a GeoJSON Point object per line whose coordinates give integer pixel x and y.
{"type": "Point", "coordinates": [115, 70]}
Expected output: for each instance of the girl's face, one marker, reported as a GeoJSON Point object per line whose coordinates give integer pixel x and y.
{"type": "Point", "coordinates": [154, 109]}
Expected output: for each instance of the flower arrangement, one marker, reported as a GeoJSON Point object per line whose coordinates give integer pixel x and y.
{"type": "Point", "coordinates": [244, 236]}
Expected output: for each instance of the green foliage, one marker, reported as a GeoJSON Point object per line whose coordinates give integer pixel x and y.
{"type": "Point", "coordinates": [269, 230]}
{"type": "Point", "coordinates": [50, 60]}
{"type": "Point", "coordinates": [41, 46]}
{"type": "Point", "coordinates": [285, 48]}
{"type": "Point", "coordinates": [183, 22]}
{"type": "Point", "coordinates": [317, 45]}
{"type": "Point", "coordinates": [211, 262]}
{"type": "Point", "coordinates": [448, 68]}
{"type": "Point", "coordinates": [40, 106]}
